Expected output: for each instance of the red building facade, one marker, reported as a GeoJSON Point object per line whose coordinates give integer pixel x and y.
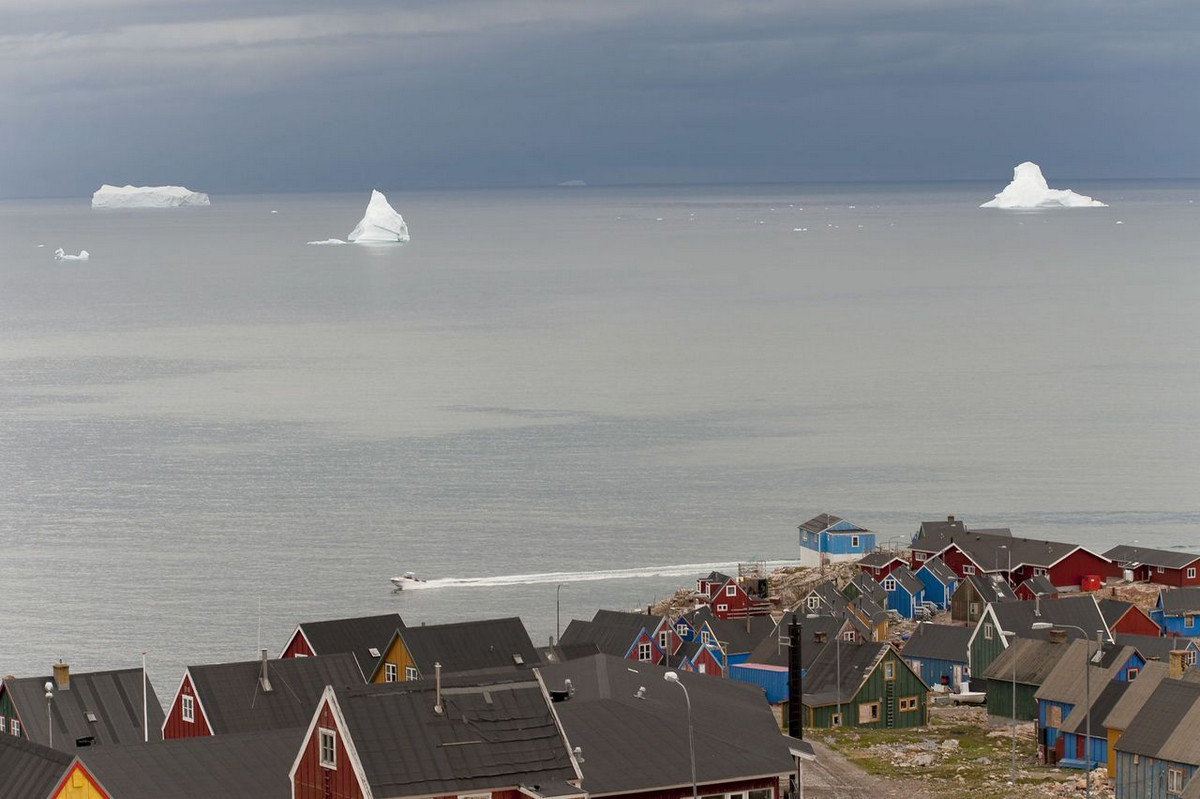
{"type": "Point", "coordinates": [186, 717]}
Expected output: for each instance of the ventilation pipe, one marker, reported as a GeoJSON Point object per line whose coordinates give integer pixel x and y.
{"type": "Point", "coordinates": [437, 679]}
{"type": "Point", "coordinates": [264, 681]}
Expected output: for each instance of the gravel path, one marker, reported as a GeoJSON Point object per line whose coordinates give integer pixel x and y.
{"type": "Point", "coordinates": [834, 776]}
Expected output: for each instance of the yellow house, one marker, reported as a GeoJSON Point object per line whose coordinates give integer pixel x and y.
{"type": "Point", "coordinates": [415, 652]}
{"type": "Point", "coordinates": [30, 769]}
{"type": "Point", "coordinates": [1131, 701]}
{"type": "Point", "coordinates": [397, 663]}
{"type": "Point", "coordinates": [78, 783]}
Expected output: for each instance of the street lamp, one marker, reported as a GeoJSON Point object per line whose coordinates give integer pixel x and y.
{"type": "Point", "coordinates": [557, 613]}
{"type": "Point", "coordinates": [1012, 769]}
{"type": "Point", "coordinates": [49, 716]}
{"type": "Point", "coordinates": [1087, 690]}
{"type": "Point", "coordinates": [671, 676]}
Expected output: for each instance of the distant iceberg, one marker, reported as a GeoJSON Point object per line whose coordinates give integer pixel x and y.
{"type": "Point", "coordinates": [572, 183]}
{"type": "Point", "coordinates": [59, 255]}
{"type": "Point", "coordinates": [327, 241]}
{"type": "Point", "coordinates": [381, 223]}
{"type": "Point", "coordinates": [1029, 190]}
{"type": "Point", "coordinates": [146, 197]}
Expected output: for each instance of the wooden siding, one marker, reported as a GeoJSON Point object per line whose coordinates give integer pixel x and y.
{"type": "Point", "coordinates": [1071, 570]}
{"type": "Point", "coordinates": [175, 726]}
{"type": "Point", "coordinates": [1148, 778]}
{"type": "Point", "coordinates": [297, 647]}
{"type": "Point", "coordinates": [999, 700]}
{"type": "Point", "coordinates": [398, 654]}
{"type": "Point", "coordinates": [78, 784]}
{"type": "Point", "coordinates": [887, 693]}
{"type": "Point", "coordinates": [984, 649]}
{"type": "Point", "coordinates": [314, 781]}
{"type": "Point", "coordinates": [8, 713]}
{"type": "Point", "coordinates": [1136, 622]}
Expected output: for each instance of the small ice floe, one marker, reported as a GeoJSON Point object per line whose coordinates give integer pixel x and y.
{"type": "Point", "coordinates": [59, 255]}
{"type": "Point", "coordinates": [799, 230]}
{"type": "Point", "coordinates": [1029, 190]}
{"type": "Point", "coordinates": [326, 242]}
{"type": "Point", "coordinates": [274, 212]}
{"type": "Point", "coordinates": [41, 245]}
{"type": "Point", "coordinates": [381, 223]}
{"type": "Point", "coordinates": [851, 207]}
{"type": "Point", "coordinates": [658, 219]}
{"type": "Point", "coordinates": [1119, 222]}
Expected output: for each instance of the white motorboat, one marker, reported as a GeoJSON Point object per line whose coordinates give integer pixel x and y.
{"type": "Point", "coordinates": [405, 580]}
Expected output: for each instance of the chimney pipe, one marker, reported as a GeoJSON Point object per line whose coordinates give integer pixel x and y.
{"type": "Point", "coordinates": [1058, 636]}
{"type": "Point", "coordinates": [62, 676]}
{"type": "Point", "coordinates": [795, 710]}
{"type": "Point", "coordinates": [950, 518]}
{"type": "Point", "coordinates": [264, 681]}
{"type": "Point", "coordinates": [1176, 666]}
{"type": "Point", "coordinates": [437, 677]}
{"type": "Point", "coordinates": [819, 637]}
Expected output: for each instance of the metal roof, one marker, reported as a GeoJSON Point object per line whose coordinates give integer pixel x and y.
{"type": "Point", "coordinates": [1066, 681]}
{"type": "Point", "coordinates": [112, 698]}
{"type": "Point", "coordinates": [494, 731]}
{"type": "Point", "coordinates": [246, 766]}
{"type": "Point", "coordinates": [1154, 647]}
{"type": "Point", "coordinates": [1168, 725]}
{"type": "Point", "coordinates": [1130, 703]}
{"type": "Point", "coordinates": [1078, 610]}
{"type": "Point", "coordinates": [1034, 659]}
{"type": "Point", "coordinates": [1130, 557]}
{"type": "Point", "coordinates": [609, 639]}
{"type": "Point", "coordinates": [772, 652]}
{"type": "Point", "coordinates": [879, 559]}
{"type": "Point", "coordinates": [737, 636]}
{"type": "Point", "coordinates": [1109, 695]}
{"type": "Point", "coordinates": [992, 551]}
{"type": "Point", "coordinates": [234, 701]}
{"type": "Point", "coordinates": [938, 642]}
{"type": "Point", "coordinates": [867, 584]}
{"type": "Point", "coordinates": [29, 770]}
{"type": "Point", "coordinates": [470, 645]}
{"type": "Point", "coordinates": [1179, 601]}
{"type": "Point", "coordinates": [938, 568]}
{"type": "Point", "coordinates": [1040, 585]}
{"type": "Point", "coordinates": [988, 587]}
{"type": "Point", "coordinates": [357, 636]}
{"type": "Point", "coordinates": [857, 661]}
{"type": "Point", "coordinates": [907, 580]}
{"type": "Point", "coordinates": [821, 522]}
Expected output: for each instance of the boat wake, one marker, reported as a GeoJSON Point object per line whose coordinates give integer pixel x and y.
{"type": "Point", "coordinates": [678, 570]}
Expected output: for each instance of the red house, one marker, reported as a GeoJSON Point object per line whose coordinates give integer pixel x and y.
{"type": "Point", "coordinates": [1038, 587]}
{"type": "Point", "coordinates": [880, 564]}
{"type": "Point", "coordinates": [1128, 618]}
{"type": "Point", "coordinates": [1017, 559]}
{"type": "Point", "coordinates": [459, 736]}
{"type": "Point", "coordinates": [737, 599]}
{"type": "Point", "coordinates": [365, 637]}
{"type": "Point", "coordinates": [707, 586]}
{"type": "Point", "coordinates": [1176, 569]}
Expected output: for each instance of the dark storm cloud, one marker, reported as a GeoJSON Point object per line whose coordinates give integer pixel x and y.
{"type": "Point", "coordinates": [275, 95]}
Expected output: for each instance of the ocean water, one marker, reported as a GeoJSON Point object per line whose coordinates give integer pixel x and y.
{"type": "Point", "coordinates": [212, 431]}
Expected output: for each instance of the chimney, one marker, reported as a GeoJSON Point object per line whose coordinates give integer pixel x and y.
{"type": "Point", "coordinates": [819, 637]}
{"type": "Point", "coordinates": [62, 676]}
{"type": "Point", "coordinates": [795, 712]}
{"type": "Point", "coordinates": [437, 676]}
{"type": "Point", "coordinates": [950, 518]}
{"type": "Point", "coordinates": [1058, 636]}
{"type": "Point", "coordinates": [1177, 664]}
{"type": "Point", "coordinates": [264, 681]}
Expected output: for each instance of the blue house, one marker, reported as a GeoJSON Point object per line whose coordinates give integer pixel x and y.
{"type": "Point", "coordinates": [905, 593]}
{"type": "Point", "coordinates": [1176, 611]}
{"type": "Point", "coordinates": [1157, 755]}
{"type": "Point", "coordinates": [828, 539]}
{"type": "Point", "coordinates": [939, 581]}
{"type": "Point", "coordinates": [938, 652]}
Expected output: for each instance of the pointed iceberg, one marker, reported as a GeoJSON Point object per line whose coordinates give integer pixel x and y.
{"type": "Point", "coordinates": [380, 223]}
{"type": "Point", "coordinates": [1029, 190]}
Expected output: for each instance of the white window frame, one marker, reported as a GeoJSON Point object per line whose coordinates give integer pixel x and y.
{"type": "Point", "coordinates": [1131, 673]}
{"type": "Point", "coordinates": [187, 708]}
{"type": "Point", "coordinates": [868, 712]}
{"type": "Point", "coordinates": [16, 727]}
{"type": "Point", "coordinates": [920, 555]}
{"type": "Point", "coordinates": [474, 796]}
{"type": "Point", "coordinates": [664, 639]}
{"type": "Point", "coordinates": [390, 672]}
{"type": "Point", "coordinates": [700, 667]}
{"type": "Point", "coordinates": [814, 602]}
{"type": "Point", "coordinates": [853, 542]}
{"type": "Point", "coordinates": [1191, 573]}
{"type": "Point", "coordinates": [645, 651]}
{"type": "Point", "coordinates": [835, 720]}
{"type": "Point", "coordinates": [889, 583]}
{"type": "Point", "coordinates": [1160, 570]}
{"type": "Point", "coordinates": [731, 590]}
{"type": "Point", "coordinates": [889, 670]}
{"type": "Point", "coordinates": [681, 628]}
{"type": "Point", "coordinates": [1175, 780]}
{"type": "Point", "coordinates": [327, 748]}
{"type": "Point", "coordinates": [968, 569]}
{"type": "Point", "coordinates": [850, 636]}
{"type": "Point", "coordinates": [1189, 621]}
{"type": "Point", "coordinates": [987, 632]}
{"type": "Point", "coordinates": [706, 638]}
{"type": "Point", "coordinates": [1040, 572]}
{"type": "Point", "coordinates": [3, 724]}
{"type": "Point", "coordinates": [411, 673]}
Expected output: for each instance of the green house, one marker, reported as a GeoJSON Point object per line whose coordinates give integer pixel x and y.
{"type": "Point", "coordinates": [864, 685]}
{"type": "Point", "coordinates": [1026, 665]}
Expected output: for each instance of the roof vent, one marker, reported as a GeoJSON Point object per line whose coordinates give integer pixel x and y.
{"type": "Point", "coordinates": [86, 740]}
{"type": "Point", "coordinates": [264, 681]}
{"type": "Point", "coordinates": [373, 652]}
{"type": "Point", "coordinates": [520, 661]}
{"type": "Point", "coordinates": [90, 716]}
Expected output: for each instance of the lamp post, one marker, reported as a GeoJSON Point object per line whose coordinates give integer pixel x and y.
{"type": "Point", "coordinates": [1012, 768]}
{"type": "Point", "coordinates": [49, 716]}
{"type": "Point", "coordinates": [1087, 692]}
{"type": "Point", "coordinates": [557, 613]}
{"type": "Point", "coordinates": [671, 676]}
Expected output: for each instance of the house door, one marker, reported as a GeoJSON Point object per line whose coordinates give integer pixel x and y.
{"type": "Point", "coordinates": [958, 676]}
{"type": "Point", "coordinates": [1080, 747]}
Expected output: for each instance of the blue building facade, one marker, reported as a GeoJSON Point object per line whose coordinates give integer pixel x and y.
{"type": "Point", "coordinates": [939, 581]}
{"type": "Point", "coordinates": [828, 539]}
{"type": "Point", "coordinates": [905, 593]}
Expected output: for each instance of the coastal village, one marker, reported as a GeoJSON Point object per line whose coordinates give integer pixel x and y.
{"type": "Point", "coordinates": [969, 662]}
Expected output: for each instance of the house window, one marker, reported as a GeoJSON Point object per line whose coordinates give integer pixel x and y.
{"type": "Point", "coordinates": [1189, 621]}
{"type": "Point", "coordinates": [410, 673]}
{"type": "Point", "coordinates": [1190, 657]}
{"type": "Point", "coordinates": [3, 723]}
{"type": "Point", "coordinates": [868, 712]}
{"type": "Point", "coordinates": [920, 556]}
{"type": "Point", "coordinates": [682, 629]}
{"type": "Point", "coordinates": [664, 639]}
{"type": "Point", "coordinates": [645, 651]}
{"type": "Point", "coordinates": [764, 794]}
{"type": "Point", "coordinates": [848, 636]}
{"type": "Point", "coordinates": [16, 728]}
{"type": "Point", "coordinates": [731, 590]}
{"type": "Point", "coordinates": [1131, 673]}
{"type": "Point", "coordinates": [474, 796]}
{"type": "Point", "coordinates": [1191, 573]}
{"type": "Point", "coordinates": [987, 632]}
{"type": "Point", "coordinates": [889, 670]}
{"type": "Point", "coordinates": [722, 607]}
{"type": "Point", "coordinates": [835, 720]}
{"type": "Point", "coordinates": [968, 569]}
{"type": "Point", "coordinates": [389, 672]}
{"type": "Point", "coordinates": [814, 602]}
{"type": "Point", "coordinates": [188, 709]}
{"type": "Point", "coordinates": [1137, 759]}
{"type": "Point", "coordinates": [854, 542]}
{"type": "Point", "coordinates": [706, 638]}
{"type": "Point", "coordinates": [328, 748]}
{"type": "Point", "coordinates": [908, 704]}
{"type": "Point", "coordinates": [1160, 569]}
{"type": "Point", "coordinates": [889, 584]}
{"type": "Point", "coordinates": [1175, 780]}
{"type": "Point", "coordinates": [700, 668]}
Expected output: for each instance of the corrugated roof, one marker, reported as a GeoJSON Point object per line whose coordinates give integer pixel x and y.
{"type": "Point", "coordinates": [495, 731]}
{"type": "Point", "coordinates": [611, 640]}
{"type": "Point", "coordinates": [1079, 610]}
{"type": "Point", "coordinates": [246, 766]}
{"type": "Point", "coordinates": [1153, 647]}
{"type": "Point", "coordinates": [29, 770]}
{"type": "Point", "coordinates": [991, 551]}
{"type": "Point", "coordinates": [1034, 660]}
{"type": "Point", "coordinates": [907, 580]}
{"type": "Point", "coordinates": [1178, 601]}
{"type": "Point", "coordinates": [471, 645]}
{"type": "Point", "coordinates": [771, 652]}
{"type": "Point", "coordinates": [738, 636]}
{"type": "Point", "coordinates": [938, 642]}
{"type": "Point", "coordinates": [1130, 556]}
{"type": "Point", "coordinates": [1066, 681]}
{"type": "Point", "coordinates": [1040, 585]}
{"type": "Point", "coordinates": [112, 698]}
{"type": "Point", "coordinates": [821, 522]}
{"type": "Point", "coordinates": [938, 568]}
{"type": "Point", "coordinates": [867, 584]}
{"type": "Point", "coordinates": [1168, 725]}
{"type": "Point", "coordinates": [357, 636]}
{"type": "Point", "coordinates": [233, 701]}
{"type": "Point", "coordinates": [1103, 702]}
{"type": "Point", "coordinates": [879, 559]}
{"type": "Point", "coordinates": [989, 587]}
{"type": "Point", "coordinates": [857, 661]}
{"type": "Point", "coordinates": [1130, 703]}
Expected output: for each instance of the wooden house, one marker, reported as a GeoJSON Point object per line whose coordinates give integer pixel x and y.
{"type": "Point", "coordinates": [1038, 587]}
{"type": "Point", "coordinates": [621, 640]}
{"type": "Point", "coordinates": [1176, 611]}
{"type": "Point", "coordinates": [1021, 668]}
{"type": "Point", "coordinates": [29, 770]}
{"type": "Point", "coordinates": [905, 593]}
{"type": "Point", "coordinates": [1126, 617]}
{"type": "Point", "coordinates": [829, 539]}
{"type": "Point", "coordinates": [99, 707]}
{"type": "Point", "coordinates": [253, 695]}
{"type": "Point", "coordinates": [864, 685]}
{"type": "Point", "coordinates": [975, 593]}
{"type": "Point", "coordinates": [939, 580]}
{"type": "Point", "coordinates": [460, 646]}
{"type": "Point", "coordinates": [461, 735]}
{"type": "Point", "coordinates": [659, 627]}
{"type": "Point", "coordinates": [824, 598]}
{"type": "Point", "coordinates": [1125, 709]}
{"type": "Point", "coordinates": [1159, 752]}
{"type": "Point", "coordinates": [736, 638]}
{"type": "Point", "coordinates": [707, 586]}
{"type": "Point", "coordinates": [938, 653]}
{"type": "Point", "coordinates": [1165, 567]}
{"type": "Point", "coordinates": [988, 639]}
{"type": "Point", "coordinates": [627, 725]}
{"type": "Point", "coordinates": [878, 565]}
{"type": "Point", "coordinates": [1162, 648]}
{"type": "Point", "coordinates": [863, 583]}
{"type": "Point", "coordinates": [740, 597]}
{"type": "Point", "coordinates": [365, 637]}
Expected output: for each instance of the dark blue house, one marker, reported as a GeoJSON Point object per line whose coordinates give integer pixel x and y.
{"type": "Point", "coordinates": [1176, 611]}
{"type": "Point", "coordinates": [938, 652]}
{"type": "Point", "coordinates": [905, 593]}
{"type": "Point", "coordinates": [939, 581]}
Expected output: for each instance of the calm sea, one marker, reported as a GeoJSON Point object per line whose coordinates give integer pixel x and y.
{"type": "Point", "coordinates": [211, 430]}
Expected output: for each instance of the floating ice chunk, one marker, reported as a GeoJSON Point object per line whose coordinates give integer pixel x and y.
{"type": "Point", "coordinates": [572, 184]}
{"type": "Point", "coordinates": [380, 223]}
{"type": "Point", "coordinates": [59, 255]}
{"type": "Point", "coordinates": [146, 197]}
{"type": "Point", "coordinates": [1030, 190]}
{"type": "Point", "coordinates": [327, 241]}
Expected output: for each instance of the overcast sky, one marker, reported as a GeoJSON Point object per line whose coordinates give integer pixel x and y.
{"type": "Point", "coordinates": [297, 95]}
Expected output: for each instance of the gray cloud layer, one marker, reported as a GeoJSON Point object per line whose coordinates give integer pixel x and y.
{"type": "Point", "coordinates": [279, 95]}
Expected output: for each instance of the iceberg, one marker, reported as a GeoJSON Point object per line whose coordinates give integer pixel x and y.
{"type": "Point", "coordinates": [59, 255]}
{"type": "Point", "coordinates": [380, 223]}
{"type": "Point", "coordinates": [146, 197]}
{"type": "Point", "coordinates": [1029, 190]}
{"type": "Point", "coordinates": [327, 241]}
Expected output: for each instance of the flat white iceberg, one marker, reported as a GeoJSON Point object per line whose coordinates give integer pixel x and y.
{"type": "Point", "coordinates": [327, 241]}
{"type": "Point", "coordinates": [1029, 190]}
{"type": "Point", "coordinates": [380, 223]}
{"type": "Point", "coordinates": [146, 197]}
{"type": "Point", "coordinates": [59, 255]}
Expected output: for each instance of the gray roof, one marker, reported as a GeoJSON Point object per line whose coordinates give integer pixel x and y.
{"type": "Point", "coordinates": [940, 528]}
{"type": "Point", "coordinates": [1128, 706]}
{"type": "Point", "coordinates": [938, 568]}
{"type": "Point", "coordinates": [1153, 647]}
{"type": "Point", "coordinates": [633, 745]}
{"type": "Point", "coordinates": [1033, 659]}
{"type": "Point", "coordinates": [233, 700]}
{"type": "Point", "coordinates": [738, 636]}
{"type": "Point", "coordinates": [990, 551]}
{"type": "Point", "coordinates": [823, 521]}
{"type": "Point", "coordinates": [610, 640]}
{"type": "Point", "coordinates": [113, 698]}
{"type": "Point", "coordinates": [770, 652]}
{"type": "Point", "coordinates": [988, 587]}
{"type": "Point", "coordinates": [471, 645]}
{"type": "Point", "coordinates": [1079, 610]}
{"type": "Point", "coordinates": [495, 731]}
{"type": "Point", "coordinates": [857, 661]}
{"type": "Point", "coordinates": [1040, 585]}
{"type": "Point", "coordinates": [246, 766]}
{"type": "Point", "coordinates": [1168, 725]}
{"type": "Point", "coordinates": [1105, 697]}
{"type": "Point", "coordinates": [1130, 557]}
{"type": "Point", "coordinates": [1114, 609]}
{"type": "Point", "coordinates": [29, 770]}
{"type": "Point", "coordinates": [356, 636]}
{"type": "Point", "coordinates": [938, 642]}
{"type": "Point", "coordinates": [907, 580]}
{"type": "Point", "coordinates": [867, 584]}
{"type": "Point", "coordinates": [828, 590]}
{"type": "Point", "coordinates": [1180, 601]}
{"type": "Point", "coordinates": [877, 560]}
{"type": "Point", "coordinates": [1066, 682]}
